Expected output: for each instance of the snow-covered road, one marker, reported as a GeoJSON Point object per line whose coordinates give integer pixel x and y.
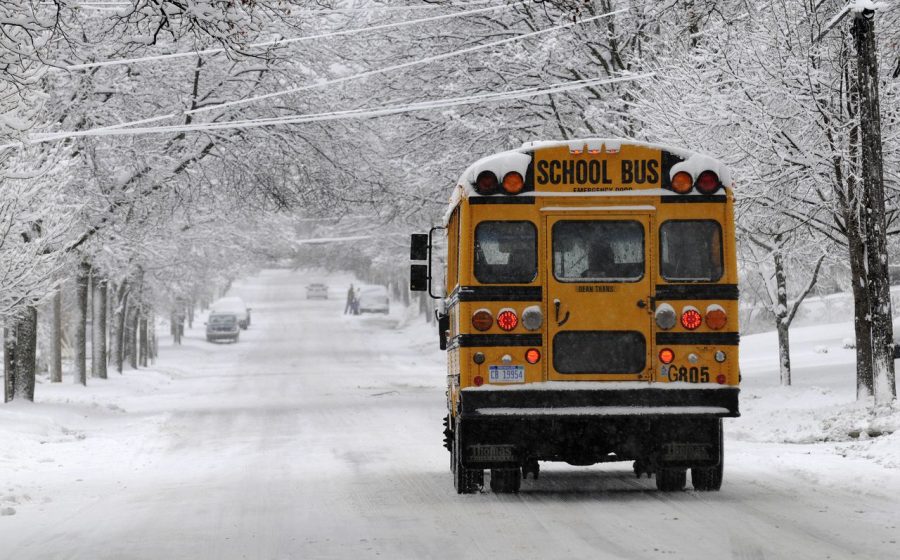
{"type": "Point", "coordinates": [319, 436]}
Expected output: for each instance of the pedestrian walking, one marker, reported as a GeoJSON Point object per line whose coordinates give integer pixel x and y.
{"type": "Point", "coordinates": [178, 325]}
{"type": "Point", "coordinates": [351, 298]}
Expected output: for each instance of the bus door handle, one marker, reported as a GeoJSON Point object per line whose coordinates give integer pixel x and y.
{"type": "Point", "coordinates": [556, 304]}
{"type": "Point", "coordinates": [643, 304]}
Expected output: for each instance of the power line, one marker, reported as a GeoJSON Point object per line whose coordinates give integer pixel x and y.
{"type": "Point", "coordinates": [121, 4]}
{"type": "Point", "coordinates": [364, 113]}
{"type": "Point", "coordinates": [368, 73]}
{"type": "Point", "coordinates": [403, 65]}
{"type": "Point", "coordinates": [282, 42]}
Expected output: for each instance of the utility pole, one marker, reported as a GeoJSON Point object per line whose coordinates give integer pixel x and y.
{"type": "Point", "coordinates": [863, 31]}
{"type": "Point", "coordinates": [881, 381]}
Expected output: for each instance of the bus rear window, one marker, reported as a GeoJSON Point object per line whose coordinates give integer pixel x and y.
{"type": "Point", "coordinates": [505, 252]}
{"type": "Point", "coordinates": [691, 250]}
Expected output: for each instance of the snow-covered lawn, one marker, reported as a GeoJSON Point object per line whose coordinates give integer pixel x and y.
{"type": "Point", "coordinates": [821, 404]}
{"type": "Point", "coordinates": [318, 435]}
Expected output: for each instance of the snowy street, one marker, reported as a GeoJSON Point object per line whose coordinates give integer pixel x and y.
{"type": "Point", "coordinates": [318, 435]}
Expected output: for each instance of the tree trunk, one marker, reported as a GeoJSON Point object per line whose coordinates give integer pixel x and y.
{"type": "Point", "coordinates": [190, 314]}
{"type": "Point", "coordinates": [98, 338]}
{"type": "Point", "coordinates": [117, 337]}
{"type": "Point", "coordinates": [781, 320]}
{"type": "Point", "coordinates": [152, 350]}
{"type": "Point", "coordinates": [131, 337]}
{"type": "Point", "coordinates": [56, 339]}
{"type": "Point", "coordinates": [9, 362]}
{"type": "Point", "coordinates": [25, 354]}
{"type": "Point", "coordinates": [144, 356]}
{"type": "Point", "coordinates": [882, 374]}
{"type": "Point", "coordinates": [82, 280]}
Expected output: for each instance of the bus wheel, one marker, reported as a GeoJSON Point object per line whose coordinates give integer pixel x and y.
{"type": "Point", "coordinates": [671, 480]}
{"type": "Point", "coordinates": [506, 481]}
{"type": "Point", "coordinates": [709, 479]}
{"type": "Point", "coordinates": [466, 481]}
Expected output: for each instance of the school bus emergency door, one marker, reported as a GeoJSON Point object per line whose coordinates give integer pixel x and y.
{"type": "Point", "coordinates": [598, 295]}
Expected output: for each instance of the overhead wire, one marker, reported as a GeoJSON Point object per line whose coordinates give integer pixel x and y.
{"type": "Point", "coordinates": [365, 74]}
{"type": "Point", "coordinates": [362, 113]}
{"type": "Point", "coordinates": [409, 64]}
{"type": "Point", "coordinates": [288, 41]}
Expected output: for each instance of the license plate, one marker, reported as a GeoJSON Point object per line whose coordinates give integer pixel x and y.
{"type": "Point", "coordinates": [687, 452]}
{"type": "Point", "coordinates": [507, 374]}
{"type": "Point", "coordinates": [492, 453]}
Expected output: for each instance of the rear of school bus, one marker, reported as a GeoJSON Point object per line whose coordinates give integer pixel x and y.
{"type": "Point", "coordinates": [592, 313]}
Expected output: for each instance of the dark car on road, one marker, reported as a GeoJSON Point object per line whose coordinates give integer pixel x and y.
{"type": "Point", "coordinates": [223, 326]}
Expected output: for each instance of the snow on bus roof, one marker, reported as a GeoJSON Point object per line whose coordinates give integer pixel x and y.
{"type": "Point", "coordinates": [518, 160]}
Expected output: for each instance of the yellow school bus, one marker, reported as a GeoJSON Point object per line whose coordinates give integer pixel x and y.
{"type": "Point", "coordinates": [589, 312]}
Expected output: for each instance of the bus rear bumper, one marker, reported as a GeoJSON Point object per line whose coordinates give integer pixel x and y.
{"type": "Point", "coordinates": [659, 427]}
{"type": "Point", "coordinates": [548, 399]}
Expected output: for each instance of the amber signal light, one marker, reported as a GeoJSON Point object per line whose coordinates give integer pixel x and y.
{"type": "Point", "coordinates": [716, 318]}
{"type": "Point", "coordinates": [482, 320]}
{"type": "Point", "coordinates": [533, 355]}
{"type": "Point", "coordinates": [513, 183]}
{"type": "Point", "coordinates": [682, 182]}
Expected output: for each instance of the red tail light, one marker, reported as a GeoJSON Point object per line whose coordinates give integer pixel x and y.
{"type": "Point", "coordinates": [708, 182]}
{"type": "Point", "coordinates": [533, 356]}
{"type": "Point", "coordinates": [691, 318]}
{"type": "Point", "coordinates": [486, 183]}
{"type": "Point", "coordinates": [478, 381]}
{"type": "Point", "coordinates": [507, 319]}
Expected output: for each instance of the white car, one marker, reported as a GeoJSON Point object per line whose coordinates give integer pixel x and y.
{"type": "Point", "coordinates": [374, 299]}
{"type": "Point", "coordinates": [233, 305]}
{"type": "Point", "coordinates": [317, 291]}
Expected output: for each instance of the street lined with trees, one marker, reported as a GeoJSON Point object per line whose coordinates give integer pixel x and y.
{"type": "Point", "coordinates": [134, 136]}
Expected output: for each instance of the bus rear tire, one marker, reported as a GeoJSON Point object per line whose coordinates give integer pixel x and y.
{"type": "Point", "coordinates": [466, 481]}
{"type": "Point", "coordinates": [709, 479]}
{"type": "Point", "coordinates": [506, 481]}
{"type": "Point", "coordinates": [671, 480]}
